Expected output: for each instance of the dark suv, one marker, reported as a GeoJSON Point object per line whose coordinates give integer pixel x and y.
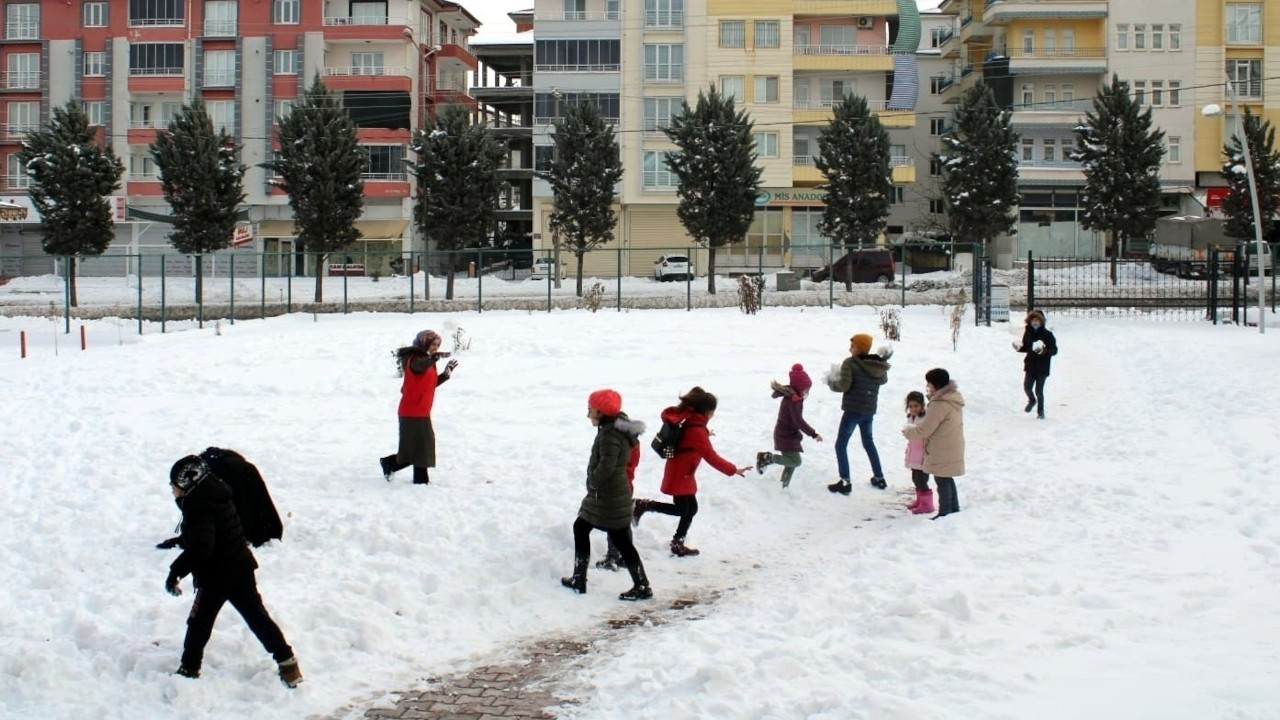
{"type": "Point", "coordinates": [868, 266]}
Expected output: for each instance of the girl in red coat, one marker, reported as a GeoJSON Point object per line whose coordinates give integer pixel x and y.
{"type": "Point", "coordinates": [417, 394]}
{"type": "Point", "coordinates": [695, 410]}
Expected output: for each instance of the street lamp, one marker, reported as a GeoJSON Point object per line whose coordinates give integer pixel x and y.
{"type": "Point", "coordinates": [1212, 110]}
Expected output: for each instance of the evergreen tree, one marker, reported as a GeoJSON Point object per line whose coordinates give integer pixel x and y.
{"type": "Point", "coordinates": [1121, 153]}
{"type": "Point", "coordinates": [1237, 205]}
{"type": "Point", "coordinates": [71, 177]}
{"type": "Point", "coordinates": [584, 175]}
{"type": "Point", "coordinates": [980, 169]}
{"type": "Point", "coordinates": [853, 155]}
{"type": "Point", "coordinates": [458, 185]}
{"type": "Point", "coordinates": [202, 178]}
{"type": "Point", "coordinates": [320, 164]}
{"type": "Point", "coordinates": [719, 180]}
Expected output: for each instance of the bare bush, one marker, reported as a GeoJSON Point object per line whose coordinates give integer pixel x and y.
{"type": "Point", "coordinates": [957, 319]}
{"type": "Point", "coordinates": [593, 296]}
{"type": "Point", "coordinates": [750, 293]}
{"type": "Point", "coordinates": [891, 323]}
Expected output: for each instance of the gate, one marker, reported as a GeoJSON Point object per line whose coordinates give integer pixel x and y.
{"type": "Point", "coordinates": [1087, 287]}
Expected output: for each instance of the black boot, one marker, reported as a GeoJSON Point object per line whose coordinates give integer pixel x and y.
{"type": "Point", "coordinates": [420, 476]}
{"type": "Point", "coordinates": [640, 508]}
{"type": "Point", "coordinates": [388, 464]}
{"type": "Point", "coordinates": [763, 460]}
{"type": "Point", "coordinates": [679, 549]}
{"type": "Point", "coordinates": [612, 559]}
{"type": "Point", "coordinates": [841, 486]}
{"type": "Point", "coordinates": [578, 580]}
{"type": "Point", "coordinates": [639, 584]}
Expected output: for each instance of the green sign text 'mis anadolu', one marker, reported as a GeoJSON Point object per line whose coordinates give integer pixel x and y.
{"type": "Point", "coordinates": [791, 196]}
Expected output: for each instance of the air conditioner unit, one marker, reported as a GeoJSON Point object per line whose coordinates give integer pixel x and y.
{"type": "Point", "coordinates": [866, 22]}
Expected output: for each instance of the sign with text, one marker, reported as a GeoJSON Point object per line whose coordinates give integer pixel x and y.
{"type": "Point", "coordinates": [790, 196]}
{"type": "Point", "coordinates": [20, 209]}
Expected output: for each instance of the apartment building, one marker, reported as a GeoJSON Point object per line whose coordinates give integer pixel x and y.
{"type": "Point", "coordinates": [785, 63]}
{"type": "Point", "coordinates": [135, 63]}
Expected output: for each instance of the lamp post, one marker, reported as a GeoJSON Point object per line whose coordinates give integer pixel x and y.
{"type": "Point", "coordinates": [1210, 111]}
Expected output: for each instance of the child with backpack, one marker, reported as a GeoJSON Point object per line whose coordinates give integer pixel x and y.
{"type": "Point", "coordinates": [695, 410]}
{"type": "Point", "coordinates": [914, 458]}
{"type": "Point", "coordinates": [790, 429]}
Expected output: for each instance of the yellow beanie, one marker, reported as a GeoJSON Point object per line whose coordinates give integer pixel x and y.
{"type": "Point", "coordinates": [862, 343]}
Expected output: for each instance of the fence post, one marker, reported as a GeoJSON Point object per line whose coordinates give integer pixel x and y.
{"type": "Point", "coordinates": [619, 251]}
{"type": "Point", "coordinates": [479, 280]}
{"type": "Point", "coordinates": [688, 281]}
{"type": "Point", "coordinates": [288, 286]}
{"type": "Point", "coordinates": [262, 281]}
{"type": "Point", "coordinates": [552, 267]}
{"type": "Point", "coordinates": [1213, 285]}
{"type": "Point", "coordinates": [987, 289]}
{"type": "Point", "coordinates": [139, 293]}
{"type": "Point", "coordinates": [411, 281]}
{"type": "Point", "coordinates": [200, 300]}
{"type": "Point", "coordinates": [1031, 282]}
{"type": "Point", "coordinates": [904, 275]}
{"type": "Point", "coordinates": [831, 272]}
{"type": "Point", "coordinates": [164, 289]}
{"type": "Point", "coordinates": [66, 292]}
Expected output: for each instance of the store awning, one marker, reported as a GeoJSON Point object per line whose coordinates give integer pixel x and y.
{"type": "Point", "coordinates": [369, 229]}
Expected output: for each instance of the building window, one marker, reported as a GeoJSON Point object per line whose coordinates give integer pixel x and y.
{"type": "Point", "coordinates": [22, 21]}
{"type": "Point", "coordinates": [97, 112]}
{"type": "Point", "coordinates": [95, 14]}
{"type": "Point", "coordinates": [1028, 149]}
{"type": "Point", "coordinates": [658, 112]}
{"type": "Point", "coordinates": [1140, 92]}
{"type": "Point", "coordinates": [766, 88]}
{"type": "Point", "coordinates": [95, 64]}
{"type": "Point", "coordinates": [143, 167]}
{"type": "Point", "coordinates": [1244, 23]}
{"type": "Point", "coordinates": [17, 178]}
{"type": "Point", "coordinates": [1246, 77]}
{"type": "Point", "coordinates": [939, 35]}
{"type": "Point", "coordinates": [219, 18]}
{"type": "Point", "coordinates": [547, 108]}
{"type": "Point", "coordinates": [543, 157]}
{"type": "Point", "coordinates": [285, 62]}
{"type": "Point", "coordinates": [220, 68]}
{"type": "Point", "coordinates": [664, 13]}
{"type": "Point", "coordinates": [1157, 93]}
{"type": "Point", "coordinates": [656, 173]}
{"type": "Point", "coordinates": [1122, 36]}
{"type": "Point", "coordinates": [766, 144]}
{"type": "Point", "coordinates": [937, 207]}
{"type": "Point", "coordinates": [935, 167]}
{"type": "Point", "coordinates": [733, 86]}
{"type": "Point", "coordinates": [1175, 93]}
{"type": "Point", "coordinates": [1028, 42]}
{"type": "Point", "coordinates": [1050, 150]}
{"type": "Point", "coordinates": [897, 195]}
{"type": "Point", "coordinates": [577, 55]}
{"type": "Point", "coordinates": [283, 108]}
{"type": "Point", "coordinates": [223, 115]}
{"type": "Point", "coordinates": [23, 71]}
{"type": "Point", "coordinates": [156, 59]}
{"type": "Point", "coordinates": [1068, 149]}
{"type": "Point", "coordinates": [157, 12]}
{"type": "Point", "coordinates": [937, 126]}
{"type": "Point", "coordinates": [937, 83]}
{"type": "Point", "coordinates": [1050, 96]}
{"type": "Point", "coordinates": [833, 92]}
{"type": "Point", "coordinates": [23, 117]}
{"type": "Point", "coordinates": [767, 34]}
{"type": "Point", "coordinates": [148, 115]}
{"type": "Point", "coordinates": [733, 33]}
{"type": "Point", "coordinates": [1173, 150]}
{"type": "Point", "coordinates": [1157, 37]}
{"type": "Point", "coordinates": [1175, 37]}
{"type": "Point", "coordinates": [286, 12]}
{"type": "Point", "coordinates": [1139, 37]}
{"type": "Point", "coordinates": [664, 63]}
{"type": "Point", "coordinates": [366, 63]}
{"type": "Point", "coordinates": [386, 162]}
{"type": "Point", "coordinates": [1028, 96]}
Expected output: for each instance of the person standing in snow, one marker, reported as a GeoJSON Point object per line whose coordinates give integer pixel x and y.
{"type": "Point", "coordinates": [859, 379]}
{"type": "Point", "coordinates": [1039, 345]}
{"type": "Point", "coordinates": [417, 365]}
{"type": "Point", "coordinates": [790, 428]}
{"type": "Point", "coordinates": [695, 410]}
{"type": "Point", "coordinates": [216, 553]}
{"type": "Point", "coordinates": [914, 457]}
{"type": "Point", "coordinates": [607, 504]}
{"type": "Point", "coordinates": [943, 432]}
{"type": "Point", "coordinates": [612, 559]}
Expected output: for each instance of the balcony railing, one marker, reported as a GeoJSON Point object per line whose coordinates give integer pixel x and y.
{"type": "Point", "coordinates": [1054, 106]}
{"type": "Point", "coordinates": [17, 182]}
{"type": "Point", "coordinates": [384, 176]}
{"type": "Point", "coordinates": [901, 161]}
{"type": "Point", "coordinates": [375, 20]}
{"type": "Point", "coordinates": [663, 74]}
{"type": "Point", "coordinates": [156, 70]}
{"type": "Point", "coordinates": [1051, 164]}
{"type": "Point", "coordinates": [20, 79]}
{"type": "Point", "coordinates": [578, 16]}
{"type": "Point", "coordinates": [157, 22]}
{"type": "Point", "coordinates": [219, 28]}
{"type": "Point", "coordinates": [17, 130]}
{"type": "Point", "coordinates": [602, 67]}
{"type": "Point", "coordinates": [664, 19]}
{"type": "Point", "coordinates": [842, 50]}
{"type": "Point", "coordinates": [22, 30]}
{"type": "Point", "coordinates": [803, 160]}
{"type": "Point", "coordinates": [874, 105]}
{"type": "Point", "coordinates": [366, 70]}
{"type": "Point", "coordinates": [1061, 53]}
{"type": "Point", "coordinates": [219, 78]}
{"type": "Point", "coordinates": [157, 124]}
{"type": "Point", "coordinates": [1247, 88]}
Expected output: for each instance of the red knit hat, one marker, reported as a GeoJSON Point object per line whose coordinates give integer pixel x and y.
{"type": "Point", "coordinates": [606, 402]}
{"type": "Point", "coordinates": [799, 379]}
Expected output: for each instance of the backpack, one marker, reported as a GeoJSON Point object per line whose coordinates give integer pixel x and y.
{"type": "Point", "coordinates": [258, 515]}
{"type": "Point", "coordinates": [667, 438]}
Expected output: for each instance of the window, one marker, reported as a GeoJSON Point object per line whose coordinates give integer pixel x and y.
{"type": "Point", "coordinates": [664, 63]}
{"type": "Point", "coordinates": [1068, 96]}
{"type": "Point", "coordinates": [766, 88]}
{"type": "Point", "coordinates": [1175, 37]}
{"type": "Point", "coordinates": [1050, 150]}
{"type": "Point", "coordinates": [283, 108]}
{"type": "Point", "coordinates": [286, 12]}
{"type": "Point", "coordinates": [1139, 37]}
{"type": "Point", "coordinates": [1068, 42]}
{"type": "Point", "coordinates": [800, 154]}
{"type": "Point", "coordinates": [767, 34]}
{"type": "Point", "coordinates": [733, 86]}
{"type": "Point", "coordinates": [733, 33]}
{"type": "Point", "coordinates": [143, 167]}
{"type": "Point", "coordinates": [223, 115]}
{"type": "Point", "coordinates": [1050, 42]}
{"type": "Point", "coordinates": [1140, 92]}
{"type": "Point", "coordinates": [1157, 37]}
{"type": "Point", "coordinates": [937, 207]}
{"type": "Point", "coordinates": [897, 195]}
{"type": "Point", "coordinates": [156, 59]}
{"type": "Point", "coordinates": [1157, 93]}
{"type": "Point", "coordinates": [95, 64]}
{"type": "Point", "coordinates": [1028, 149]}
{"type": "Point", "coordinates": [938, 83]}
{"type": "Point", "coordinates": [386, 162]}
{"type": "Point", "coordinates": [95, 14]}
{"type": "Point", "coordinates": [23, 117]}
{"type": "Point", "coordinates": [219, 68]}
{"type": "Point", "coordinates": [1175, 93]}
{"type": "Point", "coordinates": [656, 173]}
{"type": "Point", "coordinates": [577, 55]}
{"type": "Point", "coordinates": [937, 126]}
{"type": "Point", "coordinates": [547, 108]}
{"type": "Point", "coordinates": [1244, 23]}
{"type": "Point", "coordinates": [800, 93]}
{"type": "Point", "coordinates": [1028, 42]}
{"type": "Point", "coordinates": [150, 115]}
{"type": "Point", "coordinates": [935, 167]}
{"type": "Point", "coordinates": [575, 9]}
{"type": "Point", "coordinates": [612, 9]}
{"type": "Point", "coordinates": [833, 91]}
{"type": "Point", "coordinates": [1068, 149]}
{"type": "Point", "coordinates": [802, 38]}
{"type": "Point", "coordinates": [1028, 95]}
{"type": "Point", "coordinates": [1246, 77]}
{"type": "Point", "coordinates": [658, 112]}
{"type": "Point", "coordinates": [22, 21]}
{"type": "Point", "coordinates": [157, 12]}
{"type": "Point", "coordinates": [939, 35]}
{"type": "Point", "coordinates": [366, 63]}
{"type": "Point", "coordinates": [766, 144]}
{"type": "Point", "coordinates": [219, 18]}
{"type": "Point", "coordinates": [543, 157]}
{"type": "Point", "coordinates": [97, 112]}
{"type": "Point", "coordinates": [285, 62]}
{"type": "Point", "coordinates": [664, 13]}
{"type": "Point", "coordinates": [1122, 36]}
{"type": "Point", "coordinates": [1173, 150]}
{"type": "Point", "coordinates": [836, 39]}
{"type": "Point", "coordinates": [1050, 95]}
{"type": "Point", "coordinates": [23, 71]}
{"type": "Point", "coordinates": [369, 13]}
{"type": "Point", "coordinates": [17, 175]}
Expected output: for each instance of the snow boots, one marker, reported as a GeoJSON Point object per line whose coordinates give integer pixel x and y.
{"type": "Point", "coordinates": [388, 464]}
{"type": "Point", "coordinates": [763, 460]}
{"type": "Point", "coordinates": [639, 584]}
{"type": "Point", "coordinates": [923, 503]}
{"type": "Point", "coordinates": [640, 508]}
{"type": "Point", "coordinates": [878, 482]}
{"type": "Point", "coordinates": [420, 476]}
{"type": "Point", "coordinates": [841, 486]}
{"type": "Point", "coordinates": [679, 549]}
{"type": "Point", "coordinates": [577, 582]}
{"type": "Point", "coordinates": [1031, 405]}
{"type": "Point", "coordinates": [187, 672]}
{"type": "Point", "coordinates": [612, 560]}
{"type": "Point", "coordinates": [290, 674]}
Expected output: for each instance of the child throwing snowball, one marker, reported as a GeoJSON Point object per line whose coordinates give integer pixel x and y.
{"type": "Point", "coordinates": [790, 429]}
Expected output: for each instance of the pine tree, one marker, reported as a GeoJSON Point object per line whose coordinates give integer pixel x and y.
{"type": "Point", "coordinates": [1237, 205]}
{"type": "Point", "coordinates": [719, 180]}
{"type": "Point", "coordinates": [584, 175]}
{"type": "Point", "coordinates": [458, 185]}
{"type": "Point", "coordinates": [853, 155]}
{"type": "Point", "coordinates": [202, 178]}
{"type": "Point", "coordinates": [320, 164]}
{"type": "Point", "coordinates": [1121, 153]}
{"type": "Point", "coordinates": [71, 177]}
{"type": "Point", "coordinates": [979, 169]}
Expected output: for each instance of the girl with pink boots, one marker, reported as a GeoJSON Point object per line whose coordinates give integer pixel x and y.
{"type": "Point", "coordinates": [915, 456]}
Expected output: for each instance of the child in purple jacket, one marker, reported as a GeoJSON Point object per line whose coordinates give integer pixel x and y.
{"type": "Point", "coordinates": [787, 432]}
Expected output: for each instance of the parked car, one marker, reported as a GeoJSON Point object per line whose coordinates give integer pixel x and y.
{"type": "Point", "coordinates": [542, 268]}
{"type": "Point", "coordinates": [868, 266]}
{"type": "Point", "coordinates": [671, 267]}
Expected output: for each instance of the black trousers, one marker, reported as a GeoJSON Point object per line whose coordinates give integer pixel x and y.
{"type": "Point", "coordinates": [921, 480]}
{"type": "Point", "coordinates": [245, 599]}
{"type": "Point", "coordinates": [1032, 384]}
{"type": "Point", "coordinates": [947, 501]}
{"type": "Point", "coordinates": [684, 506]}
{"type": "Point", "coordinates": [619, 538]}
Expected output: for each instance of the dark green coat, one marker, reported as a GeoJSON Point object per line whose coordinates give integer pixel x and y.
{"type": "Point", "coordinates": [608, 500]}
{"type": "Point", "coordinates": [860, 379]}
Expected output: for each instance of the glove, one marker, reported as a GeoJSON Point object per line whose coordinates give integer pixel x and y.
{"type": "Point", "coordinates": [1016, 346]}
{"type": "Point", "coordinates": [449, 366]}
{"type": "Point", "coordinates": [172, 542]}
{"type": "Point", "coordinates": [171, 585]}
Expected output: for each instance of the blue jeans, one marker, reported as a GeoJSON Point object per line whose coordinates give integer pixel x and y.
{"type": "Point", "coordinates": [848, 422]}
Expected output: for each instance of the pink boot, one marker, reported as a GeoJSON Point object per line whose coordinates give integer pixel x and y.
{"type": "Point", "coordinates": [919, 499]}
{"type": "Point", "coordinates": [926, 503]}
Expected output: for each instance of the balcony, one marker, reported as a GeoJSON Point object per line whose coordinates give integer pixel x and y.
{"type": "Point", "coordinates": [805, 172]}
{"type": "Point", "coordinates": [1031, 172]}
{"type": "Point", "coordinates": [447, 90]}
{"type": "Point", "coordinates": [385, 184]}
{"type": "Point", "coordinates": [1001, 12]}
{"type": "Point", "coordinates": [1064, 113]}
{"type": "Point", "coordinates": [902, 170]}
{"type": "Point", "coordinates": [219, 78]}
{"type": "Point", "coordinates": [456, 56]}
{"type": "Point", "coordinates": [219, 28]}
{"type": "Point", "coordinates": [843, 57]}
{"type": "Point", "coordinates": [21, 79]}
{"type": "Point", "coordinates": [378, 27]}
{"type": "Point", "coordinates": [366, 77]}
{"type": "Point", "coordinates": [22, 30]}
{"type": "Point", "coordinates": [1247, 89]}
{"type": "Point", "coordinates": [949, 44]}
{"type": "Point", "coordinates": [660, 21]}
{"type": "Point", "coordinates": [844, 8]}
{"type": "Point", "coordinates": [14, 132]}
{"type": "Point", "coordinates": [819, 112]}
{"type": "Point", "coordinates": [514, 88]}
{"type": "Point", "coordinates": [17, 182]}
{"type": "Point", "coordinates": [1058, 61]}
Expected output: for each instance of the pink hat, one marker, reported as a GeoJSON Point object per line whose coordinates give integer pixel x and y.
{"type": "Point", "coordinates": [605, 402]}
{"type": "Point", "coordinates": [799, 379]}
{"type": "Point", "coordinates": [425, 338]}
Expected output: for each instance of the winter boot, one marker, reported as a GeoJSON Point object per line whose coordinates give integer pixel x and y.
{"type": "Point", "coordinates": [679, 549]}
{"type": "Point", "coordinates": [388, 464]}
{"type": "Point", "coordinates": [878, 482]}
{"type": "Point", "coordinates": [639, 584]}
{"type": "Point", "coordinates": [640, 508]}
{"type": "Point", "coordinates": [1031, 405]}
{"type": "Point", "coordinates": [612, 560]}
{"type": "Point", "coordinates": [290, 673]}
{"type": "Point", "coordinates": [841, 486]}
{"type": "Point", "coordinates": [919, 498]}
{"type": "Point", "coordinates": [187, 672]}
{"type": "Point", "coordinates": [578, 580]}
{"type": "Point", "coordinates": [763, 460]}
{"type": "Point", "coordinates": [420, 476]}
{"type": "Point", "coordinates": [925, 499]}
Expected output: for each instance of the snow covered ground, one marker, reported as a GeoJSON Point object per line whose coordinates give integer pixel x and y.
{"type": "Point", "coordinates": [1117, 560]}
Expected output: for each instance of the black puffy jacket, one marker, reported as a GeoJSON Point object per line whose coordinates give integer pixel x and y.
{"type": "Point", "coordinates": [1036, 364]}
{"type": "Point", "coordinates": [214, 548]}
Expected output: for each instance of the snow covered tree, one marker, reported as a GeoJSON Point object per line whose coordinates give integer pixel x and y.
{"type": "Point", "coordinates": [458, 185]}
{"type": "Point", "coordinates": [584, 175]}
{"type": "Point", "coordinates": [853, 155]}
{"type": "Point", "coordinates": [1121, 153]}
{"type": "Point", "coordinates": [320, 164]}
{"type": "Point", "coordinates": [980, 169]}
{"type": "Point", "coordinates": [71, 177]}
{"type": "Point", "coordinates": [719, 180]}
{"type": "Point", "coordinates": [202, 179]}
{"type": "Point", "coordinates": [1237, 205]}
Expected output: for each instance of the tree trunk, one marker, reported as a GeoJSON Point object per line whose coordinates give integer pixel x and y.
{"type": "Point", "coordinates": [848, 270]}
{"type": "Point", "coordinates": [555, 263]}
{"type": "Point", "coordinates": [1115, 253]}
{"type": "Point", "coordinates": [71, 279]}
{"type": "Point", "coordinates": [711, 269]}
{"type": "Point", "coordinates": [199, 278]}
{"type": "Point", "coordinates": [451, 263]}
{"type": "Point", "coordinates": [299, 260]}
{"type": "Point", "coordinates": [320, 273]}
{"type": "Point", "coordinates": [581, 256]}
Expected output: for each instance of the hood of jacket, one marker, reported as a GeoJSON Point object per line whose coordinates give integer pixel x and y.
{"type": "Point", "coordinates": [949, 394]}
{"type": "Point", "coordinates": [633, 429]}
{"type": "Point", "coordinates": [675, 414]}
{"type": "Point", "coordinates": [873, 365]}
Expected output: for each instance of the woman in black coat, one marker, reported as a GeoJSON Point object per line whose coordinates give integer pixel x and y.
{"type": "Point", "coordinates": [1039, 346]}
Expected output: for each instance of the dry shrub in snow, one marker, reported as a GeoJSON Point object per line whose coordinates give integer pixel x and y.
{"type": "Point", "coordinates": [750, 292]}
